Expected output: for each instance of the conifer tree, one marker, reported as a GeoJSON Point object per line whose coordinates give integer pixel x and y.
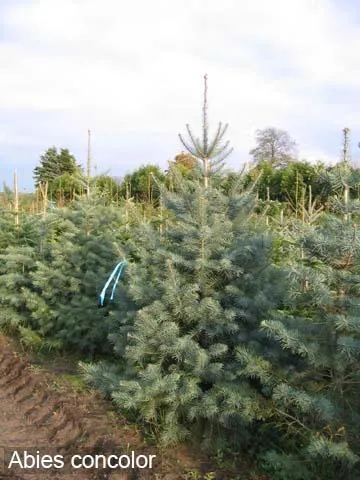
{"type": "Point", "coordinates": [80, 249]}
{"type": "Point", "coordinates": [313, 383]}
{"type": "Point", "coordinates": [16, 265]}
{"type": "Point", "coordinates": [52, 275]}
{"type": "Point", "coordinates": [189, 298]}
{"type": "Point", "coordinates": [53, 164]}
{"type": "Point", "coordinates": [18, 251]}
{"type": "Point", "coordinates": [7, 229]}
{"type": "Point", "coordinates": [341, 183]}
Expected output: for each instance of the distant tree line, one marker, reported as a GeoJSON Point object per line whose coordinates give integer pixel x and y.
{"type": "Point", "coordinates": [279, 176]}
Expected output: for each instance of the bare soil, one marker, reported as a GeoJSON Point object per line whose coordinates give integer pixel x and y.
{"type": "Point", "coordinates": [43, 416]}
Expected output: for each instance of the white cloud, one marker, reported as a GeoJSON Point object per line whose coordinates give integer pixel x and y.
{"type": "Point", "coordinates": [137, 66]}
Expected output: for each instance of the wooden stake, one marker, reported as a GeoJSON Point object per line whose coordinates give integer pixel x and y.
{"type": "Point", "coordinates": [161, 216]}
{"type": "Point", "coordinates": [303, 204]}
{"type": "Point", "coordinates": [149, 189]}
{"type": "Point", "coordinates": [16, 199]}
{"type": "Point", "coordinates": [346, 201]}
{"type": "Point", "coordinates": [205, 133]}
{"type": "Point", "coordinates": [44, 193]}
{"type": "Point", "coordinates": [268, 200]}
{"type": "Point", "coordinates": [297, 194]}
{"type": "Point", "coordinates": [88, 165]}
{"type": "Point", "coordinates": [127, 207]}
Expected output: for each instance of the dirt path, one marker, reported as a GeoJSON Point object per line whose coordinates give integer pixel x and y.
{"type": "Point", "coordinates": [35, 417]}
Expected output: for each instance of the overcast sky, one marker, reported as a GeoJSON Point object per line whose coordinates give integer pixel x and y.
{"type": "Point", "coordinates": [133, 71]}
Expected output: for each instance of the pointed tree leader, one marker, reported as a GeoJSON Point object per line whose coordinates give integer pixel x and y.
{"type": "Point", "coordinates": [210, 153]}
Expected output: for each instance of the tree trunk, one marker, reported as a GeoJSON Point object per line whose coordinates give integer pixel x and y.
{"type": "Point", "coordinates": [206, 172]}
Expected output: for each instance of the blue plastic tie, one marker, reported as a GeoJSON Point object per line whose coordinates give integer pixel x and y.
{"type": "Point", "coordinates": [117, 270]}
{"type": "Point", "coordinates": [116, 280]}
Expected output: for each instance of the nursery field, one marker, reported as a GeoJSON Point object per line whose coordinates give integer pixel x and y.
{"type": "Point", "coordinates": [37, 416]}
{"type": "Point", "coordinates": [216, 314]}
{"type": "Point", "coordinates": [42, 412]}
{"type": "Point", "coordinates": [179, 301]}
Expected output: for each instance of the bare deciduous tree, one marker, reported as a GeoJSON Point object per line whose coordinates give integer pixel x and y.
{"type": "Point", "coordinates": [274, 146]}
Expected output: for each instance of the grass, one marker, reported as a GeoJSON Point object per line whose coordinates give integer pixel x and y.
{"type": "Point", "coordinates": [75, 381]}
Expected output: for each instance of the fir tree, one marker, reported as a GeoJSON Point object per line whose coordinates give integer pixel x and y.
{"type": "Point", "coordinates": [341, 184]}
{"type": "Point", "coordinates": [314, 382]}
{"type": "Point", "coordinates": [18, 251]}
{"type": "Point", "coordinates": [16, 264]}
{"type": "Point", "coordinates": [50, 282]}
{"type": "Point", "coordinates": [81, 249]}
{"type": "Point", "coordinates": [190, 297]}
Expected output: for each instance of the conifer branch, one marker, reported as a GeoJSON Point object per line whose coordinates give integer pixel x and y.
{"type": "Point", "coordinates": [295, 420]}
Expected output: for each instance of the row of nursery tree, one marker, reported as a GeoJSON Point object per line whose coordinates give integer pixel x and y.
{"type": "Point", "coordinates": [228, 330]}
{"type": "Point", "coordinates": [296, 188]}
{"type": "Point", "coordinates": [284, 185]}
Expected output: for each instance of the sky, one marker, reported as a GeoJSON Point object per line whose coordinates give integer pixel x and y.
{"type": "Point", "coordinates": [132, 72]}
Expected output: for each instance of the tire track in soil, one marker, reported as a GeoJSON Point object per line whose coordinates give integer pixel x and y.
{"type": "Point", "coordinates": [35, 417]}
